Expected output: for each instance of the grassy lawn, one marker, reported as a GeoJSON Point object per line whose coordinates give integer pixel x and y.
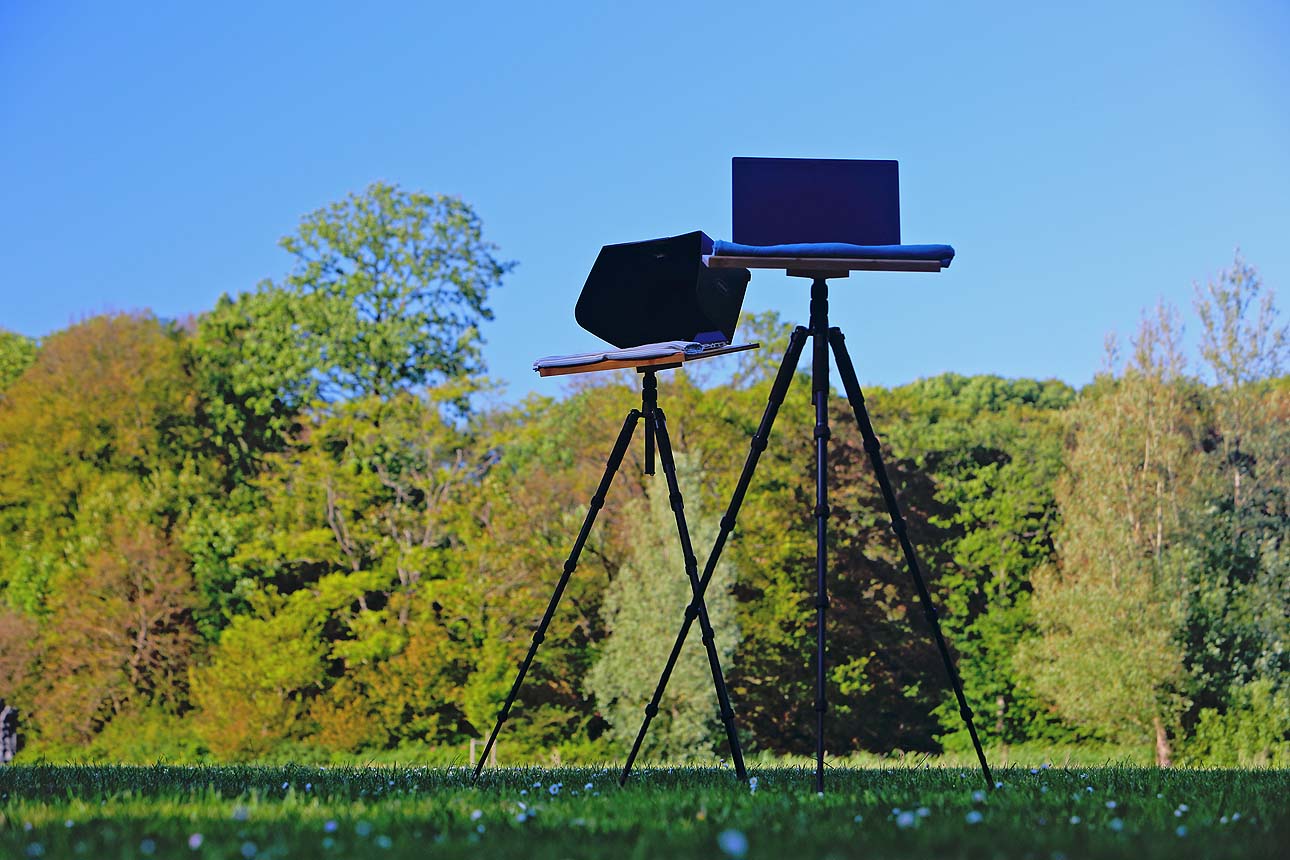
{"type": "Point", "coordinates": [261, 812]}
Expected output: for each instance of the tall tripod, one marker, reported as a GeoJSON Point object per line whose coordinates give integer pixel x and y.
{"type": "Point", "coordinates": [823, 338]}
{"type": "Point", "coordinates": [655, 433]}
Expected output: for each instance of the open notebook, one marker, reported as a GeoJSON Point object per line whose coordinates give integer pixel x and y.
{"type": "Point", "coordinates": [680, 349]}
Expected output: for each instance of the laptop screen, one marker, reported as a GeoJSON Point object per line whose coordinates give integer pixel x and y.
{"type": "Point", "coordinates": [781, 201]}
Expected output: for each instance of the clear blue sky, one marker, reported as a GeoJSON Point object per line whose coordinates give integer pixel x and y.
{"type": "Point", "coordinates": [1083, 158]}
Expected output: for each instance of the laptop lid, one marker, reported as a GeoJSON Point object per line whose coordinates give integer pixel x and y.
{"type": "Point", "coordinates": [781, 201]}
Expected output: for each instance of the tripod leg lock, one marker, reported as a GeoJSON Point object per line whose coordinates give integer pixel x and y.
{"type": "Point", "coordinates": [931, 614]}
{"type": "Point", "coordinates": [758, 443]}
{"type": "Point", "coordinates": [570, 566]}
{"type": "Point", "coordinates": [651, 711]}
{"type": "Point", "coordinates": [692, 611]}
{"type": "Point", "coordinates": [728, 523]}
{"type": "Point", "coordinates": [677, 501]}
{"type": "Point", "coordinates": [966, 713]}
{"type": "Point", "coordinates": [822, 431]}
{"type": "Point", "coordinates": [597, 502]}
{"type": "Point", "coordinates": [539, 637]}
{"type": "Point", "coordinates": [822, 511]}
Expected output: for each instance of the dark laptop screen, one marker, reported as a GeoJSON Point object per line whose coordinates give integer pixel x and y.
{"type": "Point", "coordinates": [780, 201]}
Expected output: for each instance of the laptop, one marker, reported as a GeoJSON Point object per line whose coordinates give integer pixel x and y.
{"type": "Point", "coordinates": [783, 201]}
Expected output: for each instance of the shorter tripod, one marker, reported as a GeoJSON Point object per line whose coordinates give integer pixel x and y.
{"type": "Point", "coordinates": [655, 434]}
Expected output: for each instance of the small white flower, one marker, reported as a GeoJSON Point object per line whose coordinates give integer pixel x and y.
{"type": "Point", "coordinates": [195, 841]}
{"type": "Point", "coordinates": [554, 789]}
{"type": "Point", "coordinates": [69, 823]}
{"type": "Point", "coordinates": [859, 818]}
{"type": "Point", "coordinates": [148, 846]}
{"type": "Point", "coordinates": [1181, 831]}
{"type": "Point", "coordinates": [998, 785]}
{"type": "Point", "coordinates": [1043, 789]}
{"type": "Point", "coordinates": [1075, 819]}
{"type": "Point", "coordinates": [906, 820]}
{"type": "Point", "coordinates": [249, 849]}
{"type": "Point", "coordinates": [479, 828]}
{"type": "Point", "coordinates": [1116, 824]}
{"type": "Point", "coordinates": [978, 796]}
{"type": "Point", "coordinates": [1034, 770]}
{"type": "Point", "coordinates": [476, 815]}
{"type": "Point", "coordinates": [1223, 820]}
{"type": "Point", "coordinates": [1184, 807]}
{"type": "Point", "coordinates": [733, 843]}
{"type": "Point", "coordinates": [1089, 789]}
{"type": "Point", "coordinates": [241, 813]}
{"type": "Point", "coordinates": [752, 784]}
{"type": "Point", "coordinates": [285, 785]}
{"type": "Point", "coordinates": [363, 828]}
{"type": "Point", "coordinates": [1110, 804]}
{"type": "Point", "coordinates": [973, 817]}
{"type": "Point", "coordinates": [922, 812]}
{"type": "Point", "coordinates": [1236, 816]}
{"type": "Point", "coordinates": [589, 786]}
{"type": "Point", "coordinates": [330, 826]}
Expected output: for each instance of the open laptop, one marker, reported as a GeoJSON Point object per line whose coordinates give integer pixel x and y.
{"type": "Point", "coordinates": [785, 201]}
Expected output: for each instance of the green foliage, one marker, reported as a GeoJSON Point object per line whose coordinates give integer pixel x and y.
{"type": "Point", "coordinates": [390, 288]}
{"type": "Point", "coordinates": [1253, 732]}
{"type": "Point", "coordinates": [17, 353]}
{"type": "Point", "coordinates": [643, 610]}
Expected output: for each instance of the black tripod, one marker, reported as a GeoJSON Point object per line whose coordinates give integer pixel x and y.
{"type": "Point", "coordinates": [823, 337]}
{"type": "Point", "coordinates": [655, 432]}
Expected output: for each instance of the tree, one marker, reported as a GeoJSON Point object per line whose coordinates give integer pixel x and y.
{"type": "Point", "coordinates": [1239, 606]}
{"type": "Point", "coordinates": [643, 610]}
{"type": "Point", "coordinates": [391, 289]}
{"type": "Point", "coordinates": [106, 405]}
{"type": "Point", "coordinates": [119, 636]}
{"type": "Point", "coordinates": [17, 353]}
{"type": "Point", "coordinates": [1109, 656]}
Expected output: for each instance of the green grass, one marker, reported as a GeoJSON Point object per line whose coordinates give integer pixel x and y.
{"type": "Point", "coordinates": [243, 812]}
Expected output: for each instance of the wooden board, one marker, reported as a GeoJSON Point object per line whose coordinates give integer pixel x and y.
{"type": "Point", "coordinates": [665, 362]}
{"type": "Point", "coordinates": [833, 266]}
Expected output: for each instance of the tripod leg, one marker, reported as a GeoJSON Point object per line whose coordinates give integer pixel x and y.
{"type": "Point", "coordinates": [873, 448]}
{"type": "Point", "coordinates": [597, 502]}
{"type": "Point", "coordinates": [820, 395]}
{"type": "Point", "coordinates": [778, 390]}
{"type": "Point", "coordinates": [695, 609]}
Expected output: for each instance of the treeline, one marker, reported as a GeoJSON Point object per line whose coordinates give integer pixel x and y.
{"type": "Point", "coordinates": [289, 529]}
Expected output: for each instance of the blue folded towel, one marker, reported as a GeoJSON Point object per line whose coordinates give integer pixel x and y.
{"type": "Point", "coordinates": [943, 253]}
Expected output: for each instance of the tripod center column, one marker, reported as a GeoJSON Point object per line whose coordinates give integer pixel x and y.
{"type": "Point", "coordinates": [820, 395]}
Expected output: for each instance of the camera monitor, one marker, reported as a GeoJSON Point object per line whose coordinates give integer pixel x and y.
{"type": "Point", "coordinates": [660, 290]}
{"type": "Point", "coordinates": [784, 201]}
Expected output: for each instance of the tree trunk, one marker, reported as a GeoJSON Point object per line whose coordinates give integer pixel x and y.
{"type": "Point", "coordinates": [1163, 755]}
